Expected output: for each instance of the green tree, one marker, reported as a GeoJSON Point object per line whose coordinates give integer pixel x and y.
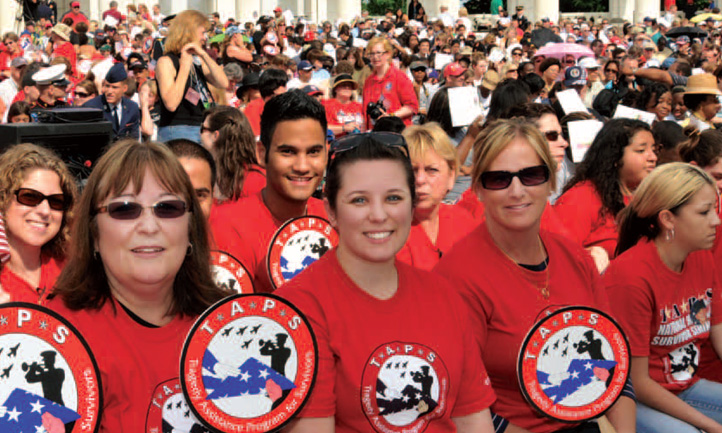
{"type": "Point", "coordinates": [379, 7]}
{"type": "Point", "coordinates": [584, 5]}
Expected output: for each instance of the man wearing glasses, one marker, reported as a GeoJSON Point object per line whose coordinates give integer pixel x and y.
{"type": "Point", "coordinates": [75, 14]}
{"type": "Point", "coordinates": [12, 50]}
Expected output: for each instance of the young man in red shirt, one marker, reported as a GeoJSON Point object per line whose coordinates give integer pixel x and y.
{"type": "Point", "coordinates": [293, 152]}
{"type": "Point", "coordinates": [272, 82]}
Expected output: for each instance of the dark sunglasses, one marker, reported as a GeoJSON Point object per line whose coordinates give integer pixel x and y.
{"type": "Point", "coordinates": [32, 198]}
{"type": "Point", "coordinates": [82, 95]}
{"type": "Point", "coordinates": [530, 176]}
{"type": "Point", "coordinates": [389, 139]}
{"type": "Point", "coordinates": [552, 135]}
{"type": "Point", "coordinates": [204, 129]}
{"type": "Point", "coordinates": [611, 71]}
{"type": "Point", "coordinates": [129, 210]}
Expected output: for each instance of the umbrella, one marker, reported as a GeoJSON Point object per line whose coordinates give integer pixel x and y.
{"type": "Point", "coordinates": [692, 32]}
{"type": "Point", "coordinates": [703, 17]}
{"type": "Point", "coordinates": [541, 37]}
{"type": "Point", "coordinates": [561, 50]}
{"type": "Point", "coordinates": [217, 38]}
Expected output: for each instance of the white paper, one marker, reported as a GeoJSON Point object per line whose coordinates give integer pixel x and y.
{"type": "Point", "coordinates": [464, 105]}
{"type": "Point", "coordinates": [571, 102]}
{"type": "Point", "coordinates": [442, 60]}
{"type": "Point", "coordinates": [581, 136]}
{"type": "Point", "coordinates": [633, 113]}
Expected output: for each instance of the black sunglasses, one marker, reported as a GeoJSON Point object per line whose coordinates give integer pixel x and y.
{"type": "Point", "coordinates": [204, 129]}
{"type": "Point", "coordinates": [130, 210]}
{"type": "Point", "coordinates": [82, 95]}
{"type": "Point", "coordinates": [612, 71]}
{"type": "Point", "coordinates": [552, 135]}
{"type": "Point", "coordinates": [32, 198]}
{"type": "Point", "coordinates": [389, 139]}
{"type": "Point", "coordinates": [530, 176]}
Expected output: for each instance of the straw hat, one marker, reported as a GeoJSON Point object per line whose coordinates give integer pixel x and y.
{"type": "Point", "coordinates": [702, 84]}
{"type": "Point", "coordinates": [62, 30]}
{"type": "Point", "coordinates": [490, 80]}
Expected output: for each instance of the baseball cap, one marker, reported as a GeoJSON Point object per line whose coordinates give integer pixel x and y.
{"type": "Point", "coordinates": [18, 62]}
{"type": "Point", "coordinates": [453, 70]}
{"type": "Point", "coordinates": [75, 4]}
{"type": "Point", "coordinates": [312, 90]}
{"type": "Point", "coordinates": [417, 66]}
{"type": "Point", "coordinates": [305, 65]}
{"type": "Point", "coordinates": [278, 9]}
{"type": "Point", "coordinates": [684, 39]}
{"type": "Point", "coordinates": [575, 76]}
{"type": "Point", "coordinates": [589, 63]}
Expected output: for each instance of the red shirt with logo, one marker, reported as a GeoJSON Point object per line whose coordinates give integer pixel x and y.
{"type": "Point", "coordinates": [382, 363]}
{"type": "Point", "coordinates": [420, 252]}
{"type": "Point", "coordinates": [6, 58]}
{"type": "Point", "coordinates": [579, 209]}
{"type": "Point", "coordinates": [245, 228]}
{"type": "Point", "coordinates": [340, 114]}
{"type": "Point", "coordinates": [133, 360]}
{"type": "Point", "coordinates": [394, 90]}
{"type": "Point", "coordinates": [506, 301]}
{"type": "Point", "coordinates": [21, 291]}
{"type": "Point", "coordinates": [666, 315]}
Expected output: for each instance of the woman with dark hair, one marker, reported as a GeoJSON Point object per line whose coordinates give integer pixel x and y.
{"type": "Point", "coordinates": [670, 298]}
{"type": "Point", "coordinates": [620, 157]}
{"type": "Point", "coordinates": [19, 112]}
{"type": "Point", "coordinates": [355, 56]}
{"type": "Point", "coordinates": [139, 275]}
{"type": "Point", "coordinates": [362, 302]}
{"type": "Point", "coordinates": [413, 11]}
{"type": "Point", "coordinates": [183, 74]}
{"type": "Point", "coordinates": [84, 91]}
{"type": "Point", "coordinates": [549, 70]}
{"type": "Point", "coordinates": [37, 193]}
{"type": "Point", "coordinates": [611, 71]}
{"type": "Point", "coordinates": [226, 133]}
{"type": "Point", "coordinates": [507, 94]}
{"type": "Point", "coordinates": [656, 98]}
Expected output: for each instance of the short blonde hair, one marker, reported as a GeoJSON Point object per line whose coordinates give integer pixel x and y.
{"type": "Point", "coordinates": [498, 135]}
{"type": "Point", "coordinates": [183, 30]}
{"type": "Point", "coordinates": [430, 136]}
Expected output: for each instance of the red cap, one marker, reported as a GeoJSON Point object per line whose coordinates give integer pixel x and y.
{"type": "Point", "coordinates": [75, 4]}
{"type": "Point", "coordinates": [278, 9]}
{"type": "Point", "coordinates": [453, 70]}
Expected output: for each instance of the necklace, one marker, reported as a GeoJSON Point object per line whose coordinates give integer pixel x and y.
{"type": "Point", "coordinates": [544, 290]}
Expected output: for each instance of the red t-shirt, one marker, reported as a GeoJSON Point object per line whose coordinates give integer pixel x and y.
{"type": "Point", "coordinates": [392, 346]}
{"type": "Point", "coordinates": [254, 181]}
{"type": "Point", "coordinates": [710, 366]}
{"type": "Point", "coordinates": [420, 252]}
{"type": "Point", "coordinates": [67, 50]}
{"type": "Point", "coordinates": [579, 209]}
{"type": "Point", "coordinates": [133, 359]}
{"type": "Point", "coordinates": [549, 220]}
{"type": "Point", "coordinates": [253, 112]}
{"type": "Point", "coordinates": [666, 315]}
{"type": "Point", "coordinates": [340, 114]}
{"type": "Point", "coordinates": [6, 58]}
{"type": "Point", "coordinates": [244, 229]}
{"type": "Point", "coordinates": [21, 291]}
{"type": "Point", "coordinates": [76, 17]}
{"type": "Point", "coordinates": [506, 301]}
{"type": "Point", "coordinates": [394, 89]}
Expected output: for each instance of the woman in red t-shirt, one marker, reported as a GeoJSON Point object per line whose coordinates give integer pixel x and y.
{"type": "Point", "coordinates": [436, 226]}
{"type": "Point", "coordinates": [344, 115]}
{"type": "Point", "coordinates": [510, 273]}
{"type": "Point", "coordinates": [621, 155]}
{"type": "Point", "coordinates": [396, 352]}
{"type": "Point", "coordinates": [36, 194]}
{"type": "Point", "coordinates": [668, 298]}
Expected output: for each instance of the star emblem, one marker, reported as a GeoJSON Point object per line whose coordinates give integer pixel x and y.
{"type": "Point", "coordinates": [37, 407]}
{"type": "Point", "coordinates": [405, 398]}
{"type": "Point", "coordinates": [588, 365]}
{"type": "Point", "coordinates": [575, 374]}
{"type": "Point", "coordinates": [40, 429]}
{"type": "Point", "coordinates": [263, 374]}
{"type": "Point", "coordinates": [14, 415]}
{"type": "Point", "coordinates": [555, 323]}
{"type": "Point", "coordinates": [668, 313]}
{"type": "Point", "coordinates": [536, 344]}
{"type": "Point", "coordinates": [252, 305]}
{"type": "Point", "coordinates": [43, 325]}
{"type": "Point", "coordinates": [3, 320]}
{"type": "Point", "coordinates": [283, 313]}
{"type": "Point", "coordinates": [245, 376]}
{"type": "Point", "coordinates": [684, 306]}
{"type": "Point", "coordinates": [219, 317]}
{"type": "Point", "coordinates": [581, 316]}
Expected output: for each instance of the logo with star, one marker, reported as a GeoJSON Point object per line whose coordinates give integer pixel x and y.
{"type": "Point", "coordinates": [229, 273]}
{"type": "Point", "coordinates": [573, 364]}
{"type": "Point", "coordinates": [49, 380]}
{"type": "Point", "coordinates": [248, 364]}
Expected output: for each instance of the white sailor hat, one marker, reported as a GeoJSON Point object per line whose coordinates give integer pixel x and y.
{"type": "Point", "coordinates": [46, 76]}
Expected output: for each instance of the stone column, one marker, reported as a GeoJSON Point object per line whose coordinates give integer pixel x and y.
{"type": "Point", "coordinates": [7, 17]}
{"type": "Point", "coordinates": [345, 10]}
{"type": "Point", "coordinates": [544, 9]}
{"type": "Point", "coordinates": [646, 8]}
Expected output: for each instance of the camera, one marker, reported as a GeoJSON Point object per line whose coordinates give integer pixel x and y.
{"type": "Point", "coordinates": [375, 110]}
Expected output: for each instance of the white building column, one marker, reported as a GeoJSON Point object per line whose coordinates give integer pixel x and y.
{"type": "Point", "coordinates": [543, 9]}
{"type": "Point", "coordinates": [7, 18]}
{"type": "Point", "coordinates": [646, 8]}
{"type": "Point", "coordinates": [345, 10]}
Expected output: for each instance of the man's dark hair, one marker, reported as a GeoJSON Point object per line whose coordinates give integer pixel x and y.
{"type": "Point", "coordinates": [292, 105]}
{"type": "Point", "coordinates": [184, 148]}
{"type": "Point", "coordinates": [27, 79]}
{"type": "Point", "coordinates": [270, 80]}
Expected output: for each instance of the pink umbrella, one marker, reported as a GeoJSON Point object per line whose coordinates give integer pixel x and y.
{"type": "Point", "coordinates": [559, 50]}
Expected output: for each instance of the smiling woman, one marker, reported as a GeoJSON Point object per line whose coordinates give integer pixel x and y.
{"type": "Point", "coordinates": [139, 274]}
{"type": "Point", "coordinates": [36, 195]}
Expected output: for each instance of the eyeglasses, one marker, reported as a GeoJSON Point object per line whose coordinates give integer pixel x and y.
{"type": "Point", "coordinates": [611, 71]}
{"type": "Point", "coordinates": [376, 53]}
{"type": "Point", "coordinates": [516, 54]}
{"type": "Point", "coordinates": [552, 135]}
{"type": "Point", "coordinates": [530, 176]}
{"type": "Point", "coordinates": [129, 210]}
{"type": "Point", "coordinates": [32, 198]}
{"type": "Point", "coordinates": [205, 129]}
{"type": "Point", "coordinates": [388, 139]}
{"type": "Point", "coordinates": [82, 95]}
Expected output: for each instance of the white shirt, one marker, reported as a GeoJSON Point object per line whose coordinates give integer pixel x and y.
{"type": "Point", "coordinates": [8, 90]}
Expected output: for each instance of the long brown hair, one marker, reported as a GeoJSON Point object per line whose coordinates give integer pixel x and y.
{"type": "Point", "coordinates": [183, 30]}
{"type": "Point", "coordinates": [83, 284]}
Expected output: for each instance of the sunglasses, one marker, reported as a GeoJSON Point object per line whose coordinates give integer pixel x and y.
{"type": "Point", "coordinates": [611, 71]}
{"type": "Point", "coordinates": [552, 135]}
{"type": "Point", "coordinates": [530, 176]}
{"type": "Point", "coordinates": [204, 129]}
{"type": "Point", "coordinates": [32, 198]}
{"type": "Point", "coordinates": [82, 95]}
{"type": "Point", "coordinates": [388, 139]}
{"type": "Point", "coordinates": [129, 210]}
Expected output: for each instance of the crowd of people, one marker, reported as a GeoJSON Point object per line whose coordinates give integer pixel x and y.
{"type": "Point", "coordinates": [455, 236]}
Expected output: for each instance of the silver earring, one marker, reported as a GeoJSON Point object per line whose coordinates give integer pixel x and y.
{"type": "Point", "coordinates": [669, 235]}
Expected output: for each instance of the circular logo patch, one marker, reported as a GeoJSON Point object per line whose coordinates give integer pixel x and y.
{"type": "Point", "coordinates": [298, 243]}
{"type": "Point", "coordinates": [169, 412]}
{"type": "Point", "coordinates": [405, 387]}
{"type": "Point", "coordinates": [248, 364]}
{"type": "Point", "coordinates": [49, 380]}
{"type": "Point", "coordinates": [229, 273]}
{"type": "Point", "coordinates": [573, 364]}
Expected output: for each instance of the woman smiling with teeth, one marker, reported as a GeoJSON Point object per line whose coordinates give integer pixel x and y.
{"type": "Point", "coordinates": [36, 193]}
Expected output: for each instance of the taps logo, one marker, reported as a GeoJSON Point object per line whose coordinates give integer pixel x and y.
{"type": "Point", "coordinates": [229, 273]}
{"type": "Point", "coordinates": [49, 380]}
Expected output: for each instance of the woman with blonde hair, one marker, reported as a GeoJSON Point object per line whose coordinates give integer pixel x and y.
{"type": "Point", "coordinates": [183, 75]}
{"type": "Point", "coordinates": [508, 270]}
{"type": "Point", "coordinates": [436, 226]}
{"type": "Point", "coordinates": [387, 86]}
{"type": "Point", "coordinates": [36, 196]}
{"type": "Point", "coordinates": [663, 274]}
